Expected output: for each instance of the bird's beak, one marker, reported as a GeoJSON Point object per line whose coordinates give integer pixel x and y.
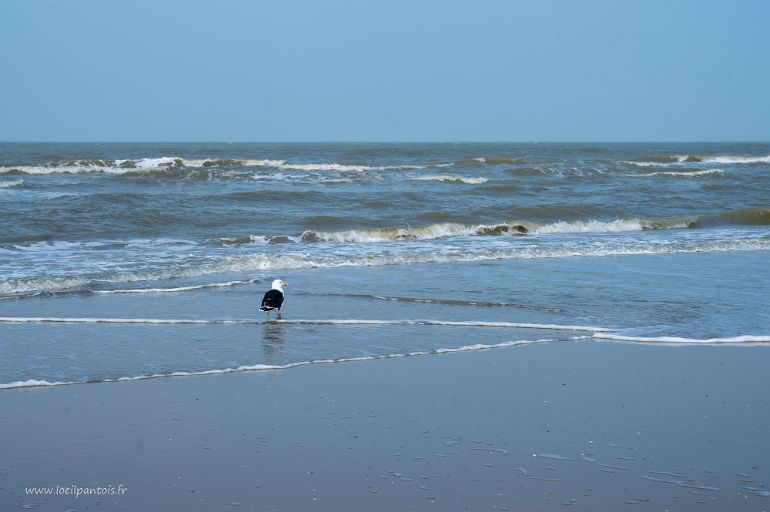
{"type": "Point", "coordinates": [284, 283]}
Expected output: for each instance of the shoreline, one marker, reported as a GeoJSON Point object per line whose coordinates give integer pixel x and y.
{"type": "Point", "coordinates": [587, 424]}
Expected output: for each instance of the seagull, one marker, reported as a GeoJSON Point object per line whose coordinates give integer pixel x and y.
{"type": "Point", "coordinates": [273, 299]}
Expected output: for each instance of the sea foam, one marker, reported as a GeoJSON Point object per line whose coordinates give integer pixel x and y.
{"type": "Point", "coordinates": [150, 164]}
{"type": "Point", "coordinates": [665, 161]}
{"type": "Point", "coordinates": [26, 287]}
{"type": "Point", "coordinates": [674, 340]}
{"type": "Point", "coordinates": [452, 178]}
{"type": "Point", "coordinates": [685, 174]}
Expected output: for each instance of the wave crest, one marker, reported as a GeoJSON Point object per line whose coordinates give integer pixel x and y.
{"type": "Point", "coordinates": [648, 161]}
{"type": "Point", "coordinates": [165, 163]}
{"type": "Point", "coordinates": [429, 232]}
{"type": "Point", "coordinates": [686, 174]}
{"type": "Point", "coordinates": [491, 160]}
{"type": "Point", "coordinates": [749, 216]}
{"type": "Point", "coordinates": [452, 178]}
{"type": "Point", "coordinates": [447, 229]}
{"type": "Point", "coordinates": [745, 217]}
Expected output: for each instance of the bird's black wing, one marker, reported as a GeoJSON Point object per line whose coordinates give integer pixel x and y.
{"type": "Point", "coordinates": [272, 300]}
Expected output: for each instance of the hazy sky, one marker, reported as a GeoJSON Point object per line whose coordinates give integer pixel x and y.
{"type": "Point", "coordinates": [333, 70]}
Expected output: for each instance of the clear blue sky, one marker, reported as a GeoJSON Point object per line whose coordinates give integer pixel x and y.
{"type": "Point", "coordinates": [385, 70]}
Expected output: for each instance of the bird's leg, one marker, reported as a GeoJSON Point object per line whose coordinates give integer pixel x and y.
{"type": "Point", "coordinates": [279, 317]}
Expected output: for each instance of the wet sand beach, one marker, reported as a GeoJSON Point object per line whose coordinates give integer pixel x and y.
{"type": "Point", "coordinates": [579, 425]}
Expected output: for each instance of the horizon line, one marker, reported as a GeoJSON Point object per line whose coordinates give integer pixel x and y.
{"type": "Point", "coordinates": [725, 141]}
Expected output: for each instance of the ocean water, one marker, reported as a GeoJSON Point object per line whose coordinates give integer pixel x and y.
{"type": "Point", "coordinates": [128, 261]}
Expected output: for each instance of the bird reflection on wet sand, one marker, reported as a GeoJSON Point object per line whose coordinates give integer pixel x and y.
{"type": "Point", "coordinates": [272, 342]}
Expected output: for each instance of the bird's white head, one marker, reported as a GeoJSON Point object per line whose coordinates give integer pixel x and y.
{"type": "Point", "coordinates": [278, 284]}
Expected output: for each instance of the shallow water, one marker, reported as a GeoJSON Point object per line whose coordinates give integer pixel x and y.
{"type": "Point", "coordinates": [635, 242]}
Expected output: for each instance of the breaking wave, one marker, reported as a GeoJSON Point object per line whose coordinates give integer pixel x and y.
{"type": "Point", "coordinates": [650, 161]}
{"type": "Point", "coordinates": [429, 232]}
{"type": "Point", "coordinates": [448, 229]}
{"type": "Point", "coordinates": [171, 162]}
{"type": "Point", "coordinates": [444, 230]}
{"type": "Point", "coordinates": [12, 183]}
{"type": "Point", "coordinates": [491, 160]}
{"type": "Point", "coordinates": [749, 216]}
{"type": "Point", "coordinates": [451, 178]}
{"type": "Point", "coordinates": [685, 174]}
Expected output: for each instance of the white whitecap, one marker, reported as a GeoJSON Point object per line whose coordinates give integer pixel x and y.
{"type": "Point", "coordinates": [31, 383]}
{"type": "Point", "coordinates": [591, 226]}
{"type": "Point", "coordinates": [684, 174]}
{"type": "Point", "coordinates": [452, 178]}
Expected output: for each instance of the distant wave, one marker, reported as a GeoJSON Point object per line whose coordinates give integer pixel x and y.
{"type": "Point", "coordinates": [168, 163]}
{"type": "Point", "coordinates": [335, 181]}
{"type": "Point", "coordinates": [281, 164]}
{"type": "Point", "coordinates": [685, 174]}
{"type": "Point", "coordinates": [451, 178]}
{"type": "Point", "coordinates": [491, 160]}
{"type": "Point", "coordinates": [12, 183]}
{"type": "Point", "coordinates": [649, 161]}
{"type": "Point", "coordinates": [564, 172]}
{"type": "Point", "coordinates": [95, 166]}
{"type": "Point", "coordinates": [165, 163]}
